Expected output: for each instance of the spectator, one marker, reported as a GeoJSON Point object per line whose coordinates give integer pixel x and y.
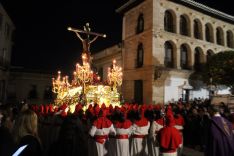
{"type": "Point", "coordinates": [71, 141]}
{"type": "Point", "coordinates": [6, 139]}
{"type": "Point", "coordinates": [25, 133]}
{"type": "Point", "coordinates": [23, 105]}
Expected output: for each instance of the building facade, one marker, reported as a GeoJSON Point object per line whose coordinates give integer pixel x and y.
{"type": "Point", "coordinates": [6, 30]}
{"type": "Point", "coordinates": [164, 41]}
{"type": "Point", "coordinates": [33, 86]}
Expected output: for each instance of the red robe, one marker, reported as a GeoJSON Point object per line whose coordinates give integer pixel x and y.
{"type": "Point", "coordinates": [169, 137]}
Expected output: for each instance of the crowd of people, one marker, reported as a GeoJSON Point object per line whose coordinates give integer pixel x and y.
{"type": "Point", "coordinates": [129, 130]}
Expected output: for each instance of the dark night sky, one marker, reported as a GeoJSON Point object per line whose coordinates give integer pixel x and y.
{"type": "Point", "coordinates": [41, 40]}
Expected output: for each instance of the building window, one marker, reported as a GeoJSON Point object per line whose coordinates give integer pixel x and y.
{"type": "Point", "coordinates": [197, 60]}
{"type": "Point", "coordinates": [2, 90]}
{"type": "Point", "coordinates": [185, 95]}
{"type": "Point", "coordinates": [184, 26]}
{"type": "Point", "coordinates": [140, 55]}
{"type": "Point", "coordinates": [230, 39]}
{"type": "Point", "coordinates": [100, 73]}
{"type": "Point", "coordinates": [168, 59]}
{"type": "Point", "coordinates": [7, 31]}
{"type": "Point", "coordinates": [138, 91]}
{"type": "Point", "coordinates": [209, 33]}
{"type": "Point", "coordinates": [219, 36]}
{"type": "Point", "coordinates": [2, 54]}
{"type": "Point", "coordinates": [1, 21]}
{"type": "Point", "coordinates": [197, 29]}
{"type": "Point", "coordinates": [48, 95]}
{"type": "Point", "coordinates": [11, 92]}
{"type": "Point", "coordinates": [140, 24]}
{"type": "Point", "coordinates": [33, 92]}
{"type": "Point", "coordinates": [169, 22]}
{"type": "Point", "coordinates": [209, 54]}
{"type": "Point", "coordinates": [183, 57]}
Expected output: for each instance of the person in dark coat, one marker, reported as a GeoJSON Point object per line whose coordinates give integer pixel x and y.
{"type": "Point", "coordinates": [221, 138]}
{"type": "Point", "coordinates": [6, 139]}
{"type": "Point", "coordinates": [71, 141]}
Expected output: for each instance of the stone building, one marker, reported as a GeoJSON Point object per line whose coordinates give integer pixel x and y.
{"type": "Point", "coordinates": [163, 42]}
{"type": "Point", "coordinates": [33, 86]}
{"type": "Point", "coordinates": [6, 30]}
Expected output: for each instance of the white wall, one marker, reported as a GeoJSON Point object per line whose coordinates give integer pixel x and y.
{"type": "Point", "coordinates": [202, 93]}
{"type": "Point", "coordinates": [173, 90]}
{"type": "Point", "coordinates": [224, 91]}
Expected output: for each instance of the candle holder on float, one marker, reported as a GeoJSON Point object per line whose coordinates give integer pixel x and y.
{"type": "Point", "coordinates": [115, 76]}
{"type": "Point", "coordinates": [61, 86]}
{"type": "Point", "coordinates": [83, 75]}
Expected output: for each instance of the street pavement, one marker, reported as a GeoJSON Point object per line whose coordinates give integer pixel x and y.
{"type": "Point", "coordinates": [191, 152]}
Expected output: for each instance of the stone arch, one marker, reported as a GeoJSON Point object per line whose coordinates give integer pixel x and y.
{"type": "Point", "coordinates": [170, 21]}
{"type": "Point", "coordinates": [230, 43]}
{"type": "Point", "coordinates": [199, 59]}
{"type": "Point", "coordinates": [197, 29]}
{"type": "Point", "coordinates": [185, 56]}
{"type": "Point", "coordinates": [209, 32]}
{"type": "Point", "coordinates": [170, 55]}
{"type": "Point", "coordinates": [219, 36]}
{"type": "Point", "coordinates": [185, 25]}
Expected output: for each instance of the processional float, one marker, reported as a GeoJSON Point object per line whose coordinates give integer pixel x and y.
{"type": "Point", "coordinates": [85, 87]}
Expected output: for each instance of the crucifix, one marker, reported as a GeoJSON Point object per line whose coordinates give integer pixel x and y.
{"type": "Point", "coordinates": [86, 42]}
